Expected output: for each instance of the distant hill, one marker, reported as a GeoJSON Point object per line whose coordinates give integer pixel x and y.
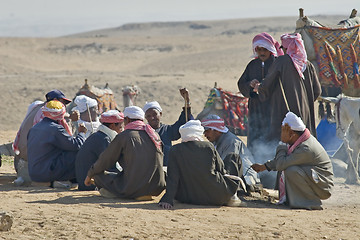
{"type": "Point", "coordinates": [208, 28]}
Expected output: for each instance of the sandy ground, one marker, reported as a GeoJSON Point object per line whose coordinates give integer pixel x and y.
{"type": "Point", "coordinates": [160, 58]}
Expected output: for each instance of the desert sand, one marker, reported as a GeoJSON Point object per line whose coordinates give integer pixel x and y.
{"type": "Point", "coordinates": [160, 58]}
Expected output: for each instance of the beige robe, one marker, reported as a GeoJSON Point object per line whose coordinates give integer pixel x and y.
{"type": "Point", "coordinates": [308, 173]}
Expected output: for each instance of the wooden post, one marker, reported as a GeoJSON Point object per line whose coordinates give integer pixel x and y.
{"type": "Point", "coordinates": [301, 12]}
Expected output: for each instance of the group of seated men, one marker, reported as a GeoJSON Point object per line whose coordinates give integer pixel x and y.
{"type": "Point", "coordinates": [125, 157]}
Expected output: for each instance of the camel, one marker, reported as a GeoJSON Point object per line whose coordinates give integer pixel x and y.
{"type": "Point", "coordinates": [104, 97]}
{"type": "Point", "coordinates": [130, 93]}
{"type": "Point", "coordinates": [334, 51]}
{"type": "Point", "coordinates": [347, 118]}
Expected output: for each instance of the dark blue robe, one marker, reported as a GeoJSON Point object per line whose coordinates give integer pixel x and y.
{"type": "Point", "coordinates": [87, 156]}
{"type": "Point", "coordinates": [52, 152]}
{"type": "Point", "coordinates": [170, 133]}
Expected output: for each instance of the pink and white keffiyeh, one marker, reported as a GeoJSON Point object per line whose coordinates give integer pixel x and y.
{"type": "Point", "coordinates": [140, 125]}
{"type": "Point", "coordinates": [282, 190]}
{"type": "Point", "coordinates": [296, 50]}
{"type": "Point", "coordinates": [265, 40]}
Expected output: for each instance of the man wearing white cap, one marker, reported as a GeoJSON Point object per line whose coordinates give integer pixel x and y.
{"type": "Point", "coordinates": [230, 147]}
{"type": "Point", "coordinates": [196, 173]}
{"type": "Point", "coordinates": [168, 133]}
{"type": "Point", "coordinates": [112, 123]}
{"type": "Point", "coordinates": [307, 174]}
{"type": "Point", "coordinates": [138, 150]}
{"type": "Point", "coordinates": [88, 108]}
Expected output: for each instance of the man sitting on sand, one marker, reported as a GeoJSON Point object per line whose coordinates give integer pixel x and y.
{"type": "Point", "coordinates": [306, 171]}
{"type": "Point", "coordinates": [168, 133]}
{"type": "Point", "coordinates": [88, 108]}
{"type": "Point", "coordinates": [34, 115]}
{"type": "Point", "coordinates": [112, 124]}
{"type": "Point", "coordinates": [138, 151]}
{"type": "Point", "coordinates": [196, 173]}
{"type": "Point", "coordinates": [51, 147]}
{"type": "Point", "coordinates": [230, 147]}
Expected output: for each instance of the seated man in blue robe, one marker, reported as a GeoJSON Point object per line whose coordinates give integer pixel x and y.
{"type": "Point", "coordinates": [51, 148]}
{"type": "Point", "coordinates": [112, 123]}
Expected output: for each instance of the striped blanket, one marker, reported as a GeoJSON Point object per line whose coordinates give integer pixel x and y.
{"type": "Point", "coordinates": [337, 56]}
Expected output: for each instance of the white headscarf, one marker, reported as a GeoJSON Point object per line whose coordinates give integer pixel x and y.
{"type": "Point", "coordinates": [153, 104]}
{"type": "Point", "coordinates": [294, 122]}
{"type": "Point", "coordinates": [191, 131]}
{"type": "Point", "coordinates": [112, 116]}
{"type": "Point", "coordinates": [82, 102]}
{"type": "Point", "coordinates": [134, 112]}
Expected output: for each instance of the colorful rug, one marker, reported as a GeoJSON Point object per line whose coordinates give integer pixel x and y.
{"type": "Point", "coordinates": [235, 108]}
{"type": "Point", "coordinates": [338, 55]}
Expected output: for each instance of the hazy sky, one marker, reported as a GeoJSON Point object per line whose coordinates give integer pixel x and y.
{"type": "Point", "coordinates": [42, 18]}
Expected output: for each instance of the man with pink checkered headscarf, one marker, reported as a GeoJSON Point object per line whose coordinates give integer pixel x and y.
{"type": "Point", "coordinates": [291, 85]}
{"type": "Point", "coordinates": [265, 50]}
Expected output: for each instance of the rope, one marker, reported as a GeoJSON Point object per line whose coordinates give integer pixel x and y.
{"type": "Point", "coordinates": [88, 109]}
{"type": "Point", "coordinates": [283, 93]}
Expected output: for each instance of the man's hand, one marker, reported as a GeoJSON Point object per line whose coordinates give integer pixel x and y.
{"type": "Point", "coordinates": [89, 181]}
{"type": "Point", "coordinates": [82, 128]}
{"type": "Point", "coordinates": [75, 116]}
{"type": "Point", "coordinates": [253, 83]}
{"type": "Point", "coordinates": [185, 94]}
{"type": "Point", "coordinates": [256, 88]}
{"type": "Point", "coordinates": [258, 167]}
{"type": "Point", "coordinates": [165, 205]}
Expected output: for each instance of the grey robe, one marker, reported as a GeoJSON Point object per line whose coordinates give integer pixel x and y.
{"type": "Point", "coordinates": [229, 143]}
{"type": "Point", "coordinates": [196, 175]}
{"type": "Point", "coordinates": [297, 92]}
{"type": "Point", "coordinates": [308, 173]}
{"type": "Point", "coordinates": [141, 162]}
{"type": "Point", "coordinates": [259, 112]}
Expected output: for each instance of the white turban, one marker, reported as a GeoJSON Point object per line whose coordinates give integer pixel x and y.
{"type": "Point", "coordinates": [294, 122]}
{"type": "Point", "coordinates": [83, 102]}
{"type": "Point", "coordinates": [112, 116]}
{"type": "Point", "coordinates": [191, 131]}
{"type": "Point", "coordinates": [134, 112]}
{"type": "Point", "coordinates": [153, 104]}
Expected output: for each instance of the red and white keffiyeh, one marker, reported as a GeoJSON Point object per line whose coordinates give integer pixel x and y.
{"type": "Point", "coordinates": [140, 125]}
{"type": "Point", "coordinates": [296, 50]}
{"type": "Point", "coordinates": [282, 190]}
{"type": "Point", "coordinates": [216, 124]}
{"type": "Point", "coordinates": [55, 110]}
